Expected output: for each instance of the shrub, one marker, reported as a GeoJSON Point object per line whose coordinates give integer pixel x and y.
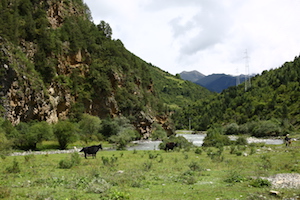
{"type": "Point", "coordinates": [65, 132]}
{"type": "Point", "coordinates": [5, 144]}
{"type": "Point", "coordinates": [118, 195]}
{"type": "Point", "coordinates": [262, 128]}
{"type": "Point", "coordinates": [15, 168]}
{"type": "Point", "coordinates": [241, 141]}
{"type": "Point", "coordinates": [30, 134]}
{"type": "Point", "coordinates": [147, 166]}
{"type": "Point", "coordinates": [69, 163]}
{"type": "Point", "coordinates": [90, 127]}
{"type": "Point", "coordinates": [252, 150]}
{"type": "Point", "coordinates": [98, 185]}
{"type": "Point", "coordinates": [215, 137]}
{"type": "Point", "coordinates": [123, 137]}
{"type": "Point", "coordinates": [266, 128]}
{"type": "Point", "coordinates": [194, 166]}
{"type": "Point", "coordinates": [182, 142]}
{"type": "Point", "coordinates": [265, 162]}
{"type": "Point", "coordinates": [4, 192]}
{"type": "Point", "coordinates": [188, 177]}
{"type": "Point", "coordinates": [198, 151]}
{"type": "Point", "coordinates": [233, 150]}
{"type": "Point", "coordinates": [259, 182]}
{"type": "Point", "coordinates": [216, 156]}
{"type": "Point", "coordinates": [234, 177]}
{"type": "Point", "coordinates": [158, 132]}
{"type": "Point", "coordinates": [29, 158]}
{"type": "Point", "coordinates": [232, 129]}
{"type": "Point", "coordinates": [109, 161]}
{"type": "Point", "coordinates": [65, 164]}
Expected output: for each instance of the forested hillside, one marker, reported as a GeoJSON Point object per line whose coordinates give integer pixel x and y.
{"type": "Point", "coordinates": [272, 102]}
{"type": "Point", "coordinates": [56, 64]}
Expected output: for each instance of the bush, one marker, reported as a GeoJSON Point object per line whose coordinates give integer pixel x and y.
{"type": "Point", "coordinates": [90, 127]}
{"type": "Point", "coordinates": [30, 134]}
{"type": "Point", "coordinates": [234, 177]}
{"type": "Point", "coordinates": [259, 182]}
{"type": "Point", "coordinates": [123, 137]}
{"type": "Point", "coordinates": [194, 166]}
{"type": "Point", "coordinates": [233, 150]}
{"type": "Point", "coordinates": [262, 128]}
{"type": "Point", "coordinates": [232, 129]}
{"type": "Point", "coordinates": [69, 163]}
{"type": "Point", "coordinates": [65, 132]}
{"type": "Point", "coordinates": [65, 164]}
{"type": "Point", "coordinates": [112, 162]}
{"type": "Point", "coordinates": [215, 137]}
{"type": "Point", "coordinates": [4, 192]}
{"type": "Point", "coordinates": [30, 157]}
{"type": "Point", "coordinates": [182, 142]}
{"type": "Point", "coordinates": [216, 156]}
{"type": "Point", "coordinates": [15, 168]}
{"type": "Point", "coordinates": [241, 141]}
{"type": "Point", "coordinates": [158, 132]}
{"type": "Point", "coordinates": [198, 151]}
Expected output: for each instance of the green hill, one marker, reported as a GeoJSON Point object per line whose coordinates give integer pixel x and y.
{"type": "Point", "coordinates": [273, 97]}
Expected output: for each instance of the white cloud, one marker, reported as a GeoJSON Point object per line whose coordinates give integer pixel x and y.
{"type": "Point", "coordinates": [210, 36]}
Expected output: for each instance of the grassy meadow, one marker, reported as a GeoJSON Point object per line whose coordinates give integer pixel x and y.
{"type": "Point", "coordinates": [198, 173]}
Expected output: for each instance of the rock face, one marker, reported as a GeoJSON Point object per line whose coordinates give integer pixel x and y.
{"type": "Point", "coordinates": [24, 97]}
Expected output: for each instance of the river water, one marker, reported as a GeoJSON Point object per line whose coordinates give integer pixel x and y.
{"type": "Point", "coordinates": [197, 140]}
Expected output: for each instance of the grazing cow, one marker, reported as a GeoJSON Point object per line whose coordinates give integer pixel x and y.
{"type": "Point", "coordinates": [170, 146]}
{"type": "Point", "coordinates": [91, 150]}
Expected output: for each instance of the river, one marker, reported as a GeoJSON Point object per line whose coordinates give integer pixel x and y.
{"type": "Point", "coordinates": [197, 140]}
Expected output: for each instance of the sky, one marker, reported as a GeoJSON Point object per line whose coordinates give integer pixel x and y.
{"type": "Point", "coordinates": [210, 36]}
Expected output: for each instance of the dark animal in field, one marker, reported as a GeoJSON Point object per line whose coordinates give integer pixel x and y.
{"type": "Point", "coordinates": [288, 141]}
{"type": "Point", "coordinates": [170, 146]}
{"type": "Point", "coordinates": [91, 150]}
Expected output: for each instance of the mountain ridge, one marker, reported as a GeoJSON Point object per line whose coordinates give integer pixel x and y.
{"type": "Point", "coordinates": [214, 82]}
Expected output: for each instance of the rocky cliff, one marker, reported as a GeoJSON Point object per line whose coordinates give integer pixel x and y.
{"type": "Point", "coordinates": [25, 96]}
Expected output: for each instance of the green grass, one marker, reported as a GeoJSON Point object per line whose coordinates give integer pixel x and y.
{"type": "Point", "coordinates": [148, 175]}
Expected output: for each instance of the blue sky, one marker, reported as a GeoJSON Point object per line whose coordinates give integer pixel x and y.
{"type": "Point", "coordinates": [210, 36]}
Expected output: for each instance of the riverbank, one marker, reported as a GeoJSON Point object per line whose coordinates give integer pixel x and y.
{"type": "Point", "coordinates": [196, 139]}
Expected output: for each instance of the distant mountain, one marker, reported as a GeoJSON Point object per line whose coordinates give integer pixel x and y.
{"type": "Point", "coordinates": [192, 76]}
{"type": "Point", "coordinates": [213, 82]}
{"type": "Point", "coordinates": [219, 82]}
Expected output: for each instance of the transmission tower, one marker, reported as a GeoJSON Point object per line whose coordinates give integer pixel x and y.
{"type": "Point", "coordinates": [247, 76]}
{"type": "Point", "coordinates": [237, 77]}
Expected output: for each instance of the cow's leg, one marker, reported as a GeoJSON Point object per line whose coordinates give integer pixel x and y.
{"type": "Point", "coordinates": [85, 155]}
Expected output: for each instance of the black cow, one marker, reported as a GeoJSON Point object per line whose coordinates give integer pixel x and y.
{"type": "Point", "coordinates": [91, 150]}
{"type": "Point", "coordinates": [170, 146]}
